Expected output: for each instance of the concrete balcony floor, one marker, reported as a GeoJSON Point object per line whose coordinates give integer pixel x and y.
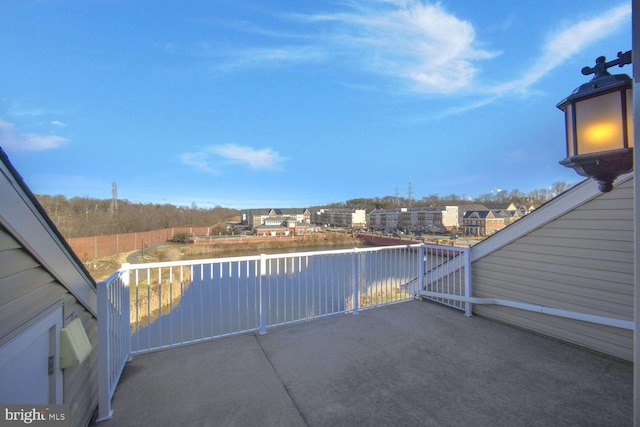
{"type": "Point", "coordinates": [408, 364]}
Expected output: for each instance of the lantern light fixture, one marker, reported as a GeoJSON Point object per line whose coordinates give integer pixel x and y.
{"type": "Point", "coordinates": [599, 124]}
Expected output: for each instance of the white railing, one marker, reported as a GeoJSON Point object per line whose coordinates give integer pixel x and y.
{"type": "Point", "coordinates": [114, 343]}
{"type": "Point", "coordinates": [184, 302]}
{"type": "Point", "coordinates": [146, 307]}
{"type": "Point", "coordinates": [447, 274]}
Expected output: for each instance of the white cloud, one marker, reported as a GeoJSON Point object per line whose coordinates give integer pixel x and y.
{"type": "Point", "coordinates": [199, 160]}
{"type": "Point", "coordinates": [265, 158]}
{"type": "Point", "coordinates": [570, 40]}
{"type": "Point", "coordinates": [35, 142]}
{"type": "Point", "coordinates": [560, 45]}
{"type": "Point", "coordinates": [422, 44]}
{"type": "Point", "coordinates": [276, 56]}
{"type": "Point", "coordinates": [35, 112]}
{"type": "Point", "coordinates": [211, 158]}
{"type": "Point", "coordinates": [438, 52]}
{"type": "Point", "coordinates": [419, 43]}
{"type": "Point", "coordinates": [29, 141]}
{"type": "Point", "coordinates": [415, 42]}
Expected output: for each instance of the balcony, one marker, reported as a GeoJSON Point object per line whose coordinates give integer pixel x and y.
{"type": "Point", "coordinates": [357, 337]}
{"type": "Point", "coordinates": [411, 363]}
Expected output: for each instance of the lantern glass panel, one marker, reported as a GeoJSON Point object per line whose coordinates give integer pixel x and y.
{"type": "Point", "coordinates": [568, 121]}
{"type": "Point", "coordinates": [599, 123]}
{"type": "Point", "coordinates": [630, 116]}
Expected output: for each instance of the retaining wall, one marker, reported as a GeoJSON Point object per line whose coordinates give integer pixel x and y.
{"type": "Point", "coordinates": [112, 244]}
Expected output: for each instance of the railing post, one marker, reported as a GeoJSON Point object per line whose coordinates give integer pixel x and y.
{"type": "Point", "coordinates": [420, 281]}
{"type": "Point", "coordinates": [467, 281]}
{"type": "Point", "coordinates": [104, 353]}
{"type": "Point", "coordinates": [356, 280]}
{"type": "Point", "coordinates": [263, 295]}
{"type": "Point", "coordinates": [126, 314]}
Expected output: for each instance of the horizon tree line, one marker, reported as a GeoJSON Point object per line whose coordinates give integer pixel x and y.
{"type": "Point", "coordinates": [84, 216]}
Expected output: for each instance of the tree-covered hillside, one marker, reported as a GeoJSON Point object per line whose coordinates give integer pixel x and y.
{"type": "Point", "coordinates": [82, 216]}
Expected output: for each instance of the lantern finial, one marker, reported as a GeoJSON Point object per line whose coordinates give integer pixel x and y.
{"type": "Point", "coordinates": [600, 69]}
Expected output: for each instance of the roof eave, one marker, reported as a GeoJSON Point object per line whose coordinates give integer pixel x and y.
{"type": "Point", "coordinates": [25, 218]}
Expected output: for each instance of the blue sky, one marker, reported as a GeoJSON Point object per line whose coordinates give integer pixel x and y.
{"type": "Point", "coordinates": [294, 103]}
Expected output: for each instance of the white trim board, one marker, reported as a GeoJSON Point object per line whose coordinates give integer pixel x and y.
{"type": "Point", "coordinates": [555, 208]}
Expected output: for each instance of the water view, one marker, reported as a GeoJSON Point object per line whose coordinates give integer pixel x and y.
{"type": "Point", "coordinates": [223, 296]}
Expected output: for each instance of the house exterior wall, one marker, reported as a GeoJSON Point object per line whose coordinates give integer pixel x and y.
{"type": "Point", "coordinates": [429, 219]}
{"type": "Point", "coordinates": [344, 217]}
{"type": "Point", "coordinates": [256, 217]}
{"type": "Point", "coordinates": [420, 219]}
{"type": "Point", "coordinates": [302, 216]}
{"type": "Point", "coordinates": [26, 291]}
{"type": "Point", "coordinates": [635, 19]}
{"type": "Point", "coordinates": [450, 217]}
{"type": "Point", "coordinates": [359, 218]}
{"type": "Point", "coordinates": [493, 224]}
{"type": "Point", "coordinates": [39, 274]}
{"type": "Point", "coordinates": [582, 260]}
{"type": "Point", "coordinates": [384, 218]}
{"type": "Point", "coordinates": [484, 223]}
{"type": "Point", "coordinates": [473, 226]}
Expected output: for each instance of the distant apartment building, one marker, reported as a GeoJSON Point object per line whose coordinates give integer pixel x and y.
{"type": "Point", "coordinates": [384, 219]}
{"type": "Point", "coordinates": [420, 219]}
{"type": "Point", "coordinates": [430, 219]}
{"type": "Point", "coordinates": [350, 218]}
{"type": "Point", "coordinates": [461, 211]}
{"type": "Point", "coordinates": [254, 218]}
{"type": "Point", "coordinates": [279, 226]}
{"type": "Point", "coordinates": [423, 219]}
{"type": "Point", "coordinates": [486, 222]}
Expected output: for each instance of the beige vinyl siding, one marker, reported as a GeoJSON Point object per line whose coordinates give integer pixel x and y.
{"type": "Point", "coordinates": [81, 382]}
{"type": "Point", "coordinates": [26, 290]}
{"type": "Point", "coordinates": [582, 261]}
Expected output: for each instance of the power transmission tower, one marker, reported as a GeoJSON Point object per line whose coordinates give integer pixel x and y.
{"type": "Point", "coordinates": [409, 193]}
{"type": "Point", "coordinates": [397, 197]}
{"type": "Point", "coordinates": [114, 197]}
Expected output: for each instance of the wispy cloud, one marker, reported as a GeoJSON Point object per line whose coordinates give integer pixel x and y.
{"type": "Point", "coordinates": [212, 159]}
{"type": "Point", "coordinates": [568, 41]}
{"type": "Point", "coordinates": [269, 57]}
{"type": "Point", "coordinates": [199, 160]}
{"type": "Point", "coordinates": [265, 158]}
{"type": "Point", "coordinates": [422, 44]}
{"type": "Point", "coordinates": [559, 46]}
{"type": "Point", "coordinates": [28, 141]}
{"type": "Point", "coordinates": [22, 112]}
{"type": "Point", "coordinates": [438, 52]}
